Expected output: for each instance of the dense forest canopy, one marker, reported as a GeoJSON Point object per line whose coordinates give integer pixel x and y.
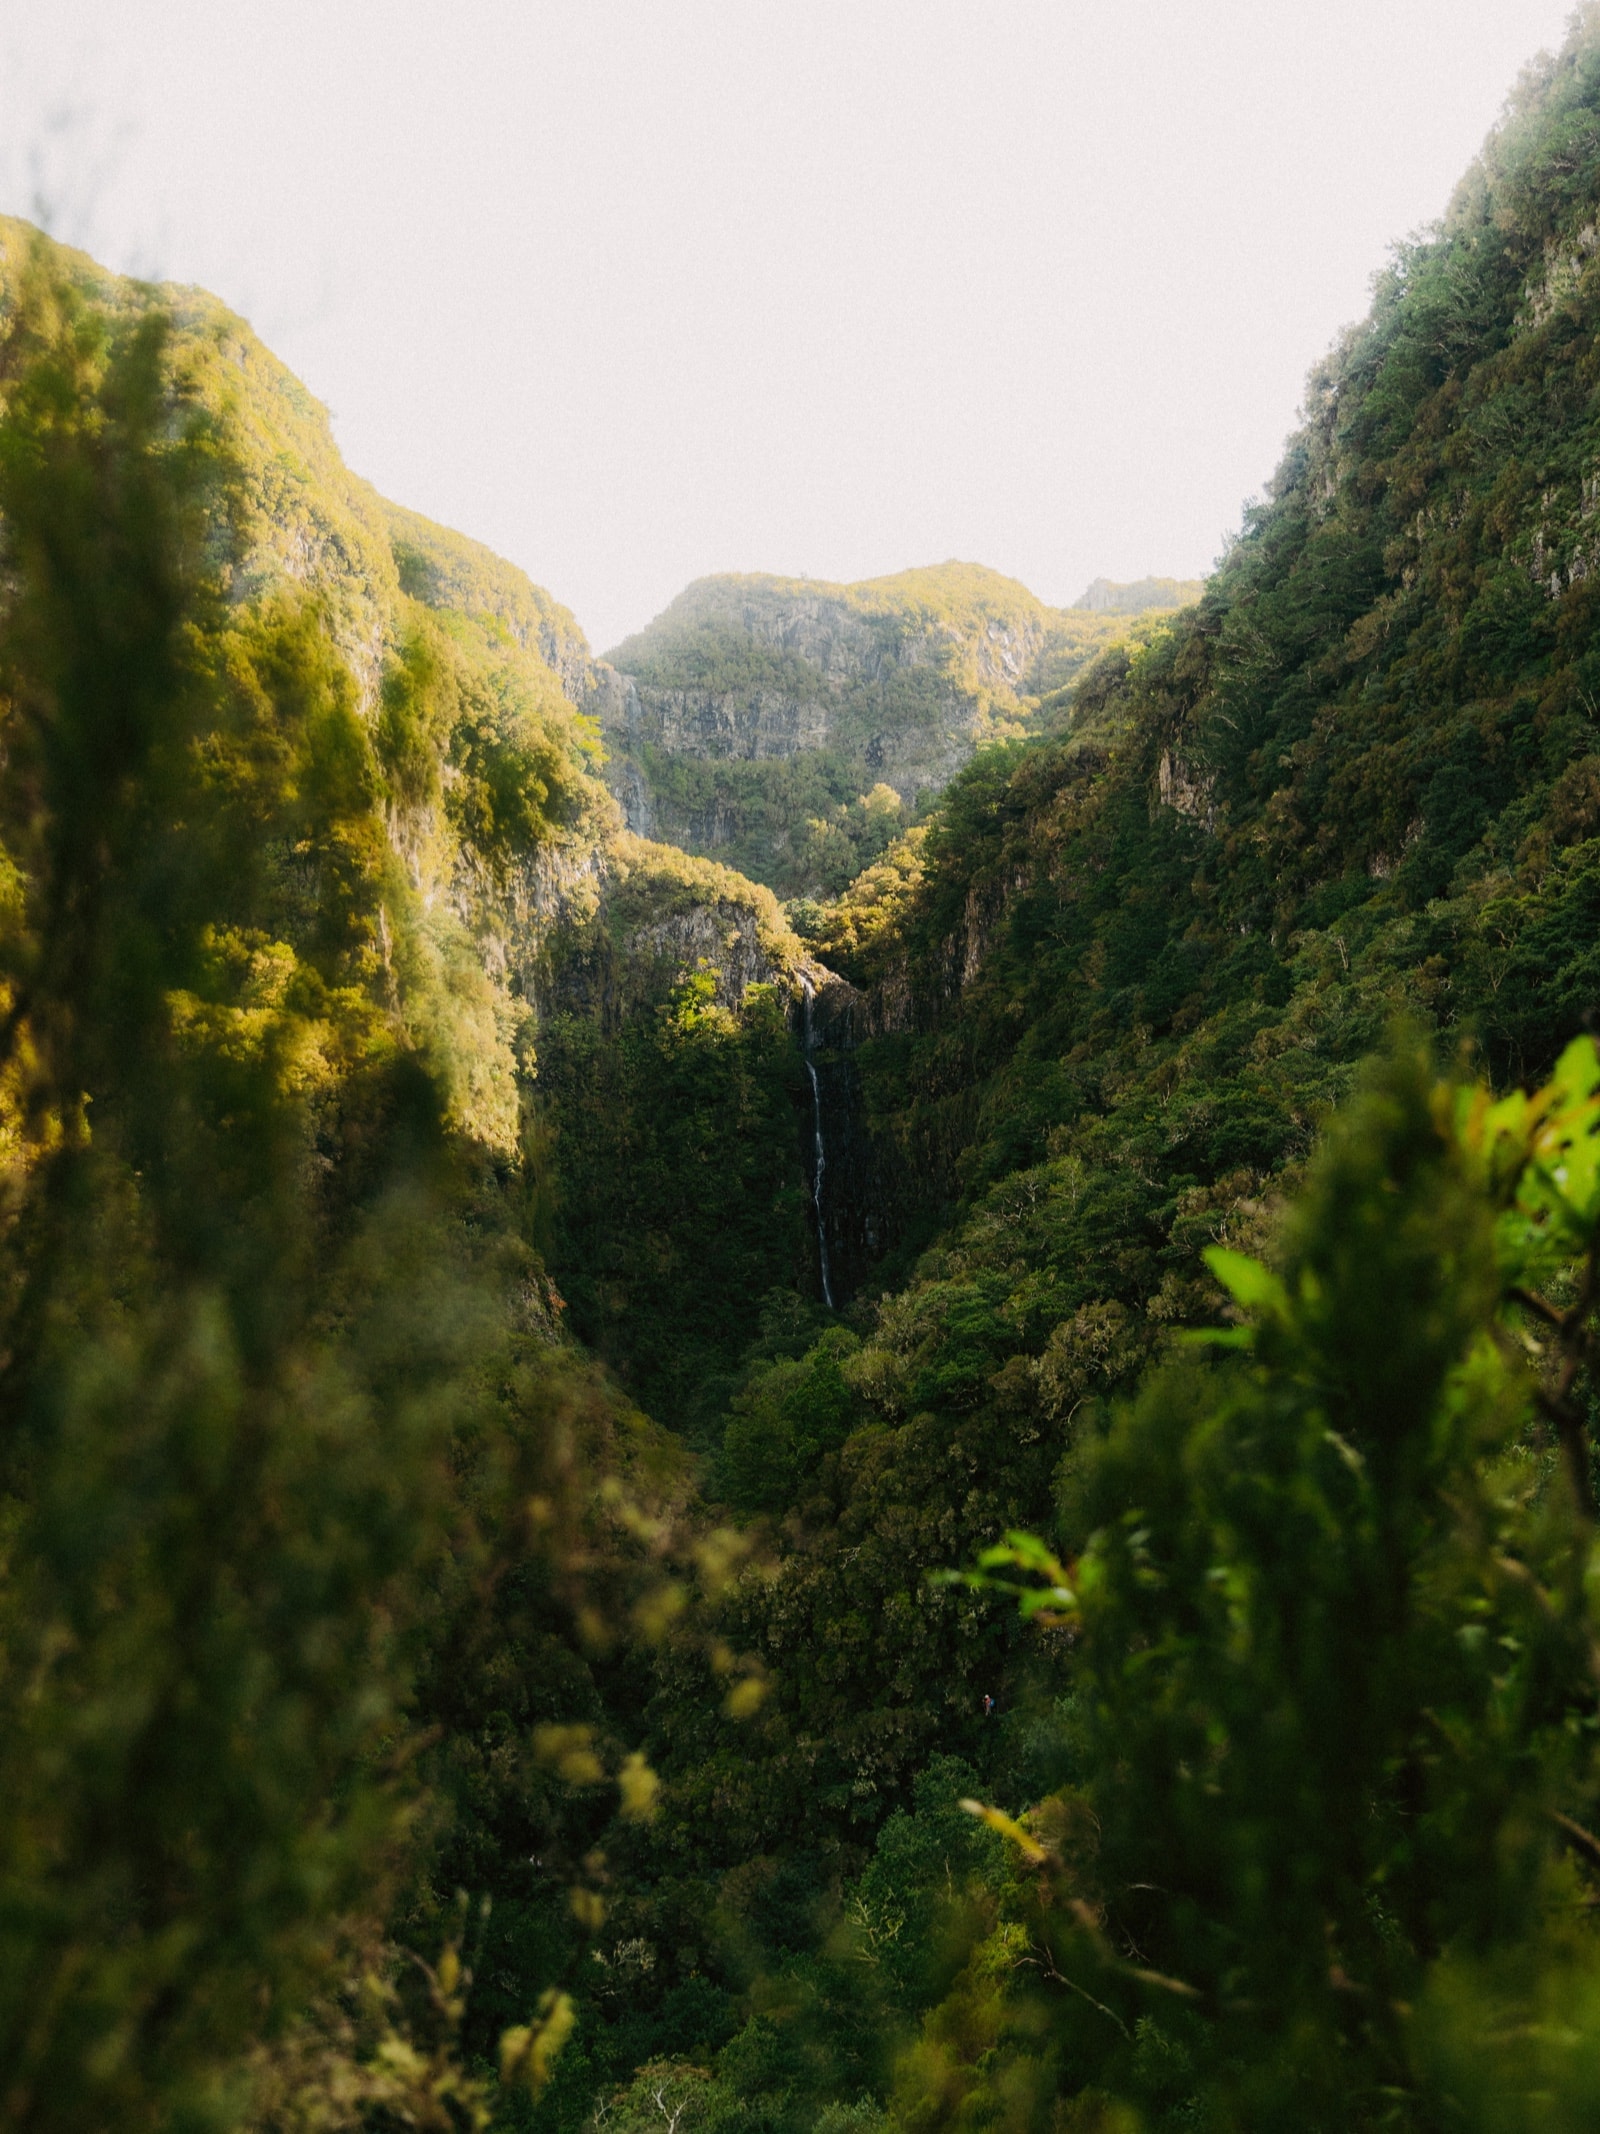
{"type": "Point", "coordinates": [964, 1502]}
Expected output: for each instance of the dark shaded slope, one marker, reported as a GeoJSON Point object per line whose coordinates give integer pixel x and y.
{"type": "Point", "coordinates": [1362, 778]}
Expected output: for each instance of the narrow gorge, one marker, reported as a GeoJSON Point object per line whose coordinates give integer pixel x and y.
{"type": "Point", "coordinates": [839, 1375]}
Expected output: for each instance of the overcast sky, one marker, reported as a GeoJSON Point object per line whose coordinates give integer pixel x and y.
{"type": "Point", "coordinates": [634, 290]}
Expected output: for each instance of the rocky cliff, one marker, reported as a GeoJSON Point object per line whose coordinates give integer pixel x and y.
{"type": "Point", "coordinates": [484, 679]}
{"type": "Point", "coordinates": [794, 727]}
{"type": "Point", "coordinates": [619, 932]}
{"type": "Point", "coordinates": [791, 727]}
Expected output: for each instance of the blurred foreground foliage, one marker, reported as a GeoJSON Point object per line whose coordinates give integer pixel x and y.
{"type": "Point", "coordinates": [1301, 1820]}
{"type": "Point", "coordinates": [291, 1449]}
{"type": "Point", "coordinates": [1321, 1851]}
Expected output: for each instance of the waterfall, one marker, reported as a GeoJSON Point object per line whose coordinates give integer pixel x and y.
{"type": "Point", "coordinates": [819, 1157]}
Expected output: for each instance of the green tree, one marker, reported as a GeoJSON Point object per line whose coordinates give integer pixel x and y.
{"type": "Point", "coordinates": [1327, 1855]}
{"type": "Point", "coordinates": [680, 1195]}
{"type": "Point", "coordinates": [270, 1387]}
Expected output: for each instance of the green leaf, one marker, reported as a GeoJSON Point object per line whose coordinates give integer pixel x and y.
{"type": "Point", "coordinates": [1251, 1285]}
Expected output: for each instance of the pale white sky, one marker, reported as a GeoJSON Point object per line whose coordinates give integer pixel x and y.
{"type": "Point", "coordinates": [634, 290]}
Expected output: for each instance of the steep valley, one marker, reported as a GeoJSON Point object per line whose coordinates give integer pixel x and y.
{"type": "Point", "coordinates": [793, 727]}
{"type": "Point", "coordinates": [858, 1078]}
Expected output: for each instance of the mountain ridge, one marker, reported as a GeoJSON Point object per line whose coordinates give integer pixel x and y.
{"type": "Point", "coordinates": [979, 1214]}
{"type": "Point", "coordinates": [795, 725]}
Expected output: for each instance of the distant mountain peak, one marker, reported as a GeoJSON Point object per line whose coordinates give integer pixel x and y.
{"type": "Point", "coordinates": [1106, 597]}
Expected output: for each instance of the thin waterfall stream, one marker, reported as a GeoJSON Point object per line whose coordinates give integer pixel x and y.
{"type": "Point", "coordinates": [819, 1155]}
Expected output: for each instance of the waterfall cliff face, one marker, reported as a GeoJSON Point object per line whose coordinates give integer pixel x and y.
{"type": "Point", "coordinates": [819, 1146]}
{"type": "Point", "coordinates": [852, 1171]}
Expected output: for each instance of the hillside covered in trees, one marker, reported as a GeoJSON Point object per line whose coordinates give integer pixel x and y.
{"type": "Point", "coordinates": [793, 727]}
{"type": "Point", "coordinates": [968, 1502]}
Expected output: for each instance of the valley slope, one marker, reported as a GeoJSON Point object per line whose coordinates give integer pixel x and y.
{"type": "Point", "coordinates": [1107, 1000]}
{"type": "Point", "coordinates": [790, 726]}
{"type": "Point", "coordinates": [1099, 915]}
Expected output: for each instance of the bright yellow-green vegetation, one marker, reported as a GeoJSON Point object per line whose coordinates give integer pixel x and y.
{"type": "Point", "coordinates": [608, 1525]}
{"type": "Point", "coordinates": [296, 1450]}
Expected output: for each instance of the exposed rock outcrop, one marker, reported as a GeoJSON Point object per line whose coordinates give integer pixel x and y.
{"type": "Point", "coordinates": [754, 704]}
{"type": "Point", "coordinates": [638, 918]}
{"type": "Point", "coordinates": [910, 671]}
